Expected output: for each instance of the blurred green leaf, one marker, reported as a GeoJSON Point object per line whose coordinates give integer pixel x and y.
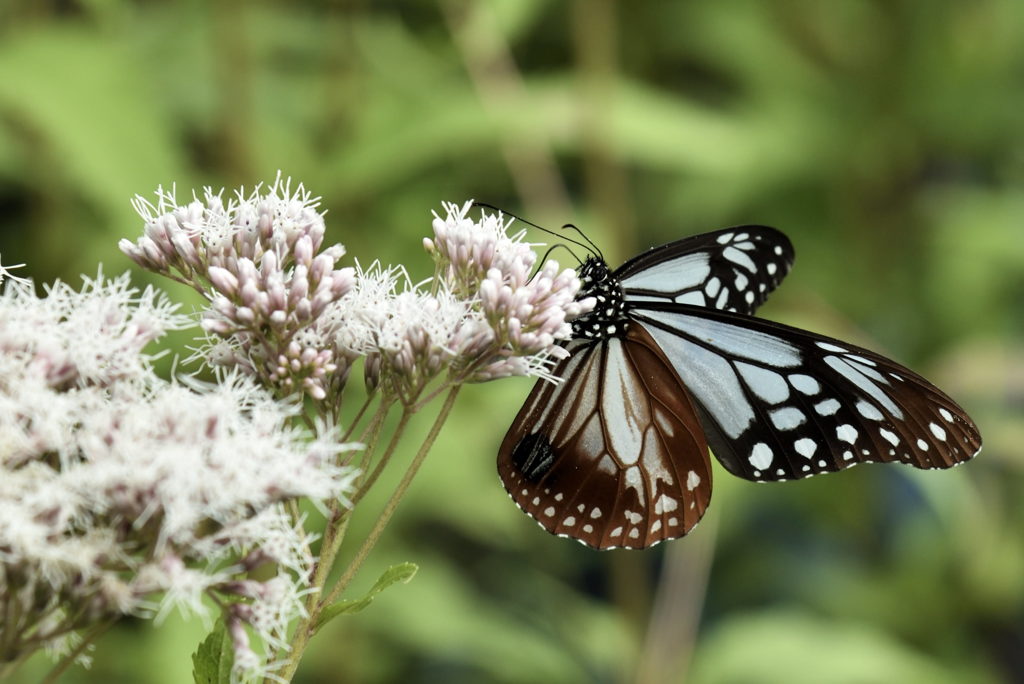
{"type": "Point", "coordinates": [402, 572]}
{"type": "Point", "coordinates": [85, 99]}
{"type": "Point", "coordinates": [798, 648]}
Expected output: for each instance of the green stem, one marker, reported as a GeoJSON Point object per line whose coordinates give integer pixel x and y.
{"type": "Point", "coordinates": [305, 628]}
{"type": "Point", "coordinates": [433, 394]}
{"type": "Point", "coordinates": [392, 504]}
{"type": "Point", "coordinates": [334, 534]}
{"type": "Point", "coordinates": [69, 659]}
{"type": "Point", "coordinates": [399, 429]}
{"type": "Point", "coordinates": [337, 520]}
{"type": "Point", "coordinates": [359, 416]}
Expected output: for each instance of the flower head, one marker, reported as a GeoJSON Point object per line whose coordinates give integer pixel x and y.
{"type": "Point", "coordinates": [259, 260]}
{"type": "Point", "coordinates": [121, 492]}
{"type": "Point", "coordinates": [481, 317]}
{"type": "Point", "coordinates": [517, 319]}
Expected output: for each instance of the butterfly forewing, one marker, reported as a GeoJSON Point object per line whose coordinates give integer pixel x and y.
{"type": "Point", "coordinates": [614, 456]}
{"type": "Point", "coordinates": [780, 403]}
{"type": "Point", "coordinates": [732, 269]}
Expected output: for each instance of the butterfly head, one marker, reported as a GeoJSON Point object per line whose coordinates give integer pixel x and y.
{"type": "Point", "coordinates": [608, 317]}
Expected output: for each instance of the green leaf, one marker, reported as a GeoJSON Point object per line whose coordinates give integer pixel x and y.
{"type": "Point", "coordinates": [212, 661]}
{"type": "Point", "coordinates": [402, 572]}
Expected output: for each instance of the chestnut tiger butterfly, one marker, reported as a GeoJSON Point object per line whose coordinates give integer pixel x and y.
{"type": "Point", "coordinates": [670, 362]}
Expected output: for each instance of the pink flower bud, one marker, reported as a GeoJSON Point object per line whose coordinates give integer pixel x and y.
{"type": "Point", "coordinates": [303, 250]}
{"type": "Point", "coordinates": [223, 280]}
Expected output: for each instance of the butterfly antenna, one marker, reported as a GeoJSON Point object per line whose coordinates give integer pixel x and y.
{"type": "Point", "coordinates": [588, 245]}
{"type": "Point", "coordinates": [544, 259]}
{"type": "Point", "coordinates": [593, 248]}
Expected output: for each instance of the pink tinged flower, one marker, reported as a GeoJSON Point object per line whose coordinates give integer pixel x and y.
{"type": "Point", "coordinates": [91, 438]}
{"type": "Point", "coordinates": [224, 280]}
{"type": "Point", "coordinates": [256, 256]}
{"type": "Point", "coordinates": [527, 316]}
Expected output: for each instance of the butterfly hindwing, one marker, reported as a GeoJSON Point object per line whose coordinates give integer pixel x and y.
{"type": "Point", "coordinates": [733, 269]}
{"type": "Point", "coordinates": [613, 456]}
{"type": "Point", "coordinates": [780, 403]}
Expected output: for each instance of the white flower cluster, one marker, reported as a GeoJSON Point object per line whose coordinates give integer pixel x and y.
{"type": "Point", "coordinates": [284, 313]}
{"type": "Point", "coordinates": [482, 317]}
{"type": "Point", "coordinates": [514, 319]}
{"type": "Point", "coordinates": [258, 260]}
{"type": "Point", "coordinates": [117, 488]}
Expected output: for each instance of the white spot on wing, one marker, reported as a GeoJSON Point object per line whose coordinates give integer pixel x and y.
{"type": "Point", "coordinates": [805, 384]}
{"type": "Point", "coordinates": [663, 422]}
{"type": "Point", "coordinates": [847, 433]}
{"type": "Point", "coordinates": [723, 296]}
{"type": "Point", "coordinates": [761, 456]}
{"type": "Point", "coordinates": [549, 511]}
{"type": "Point", "coordinates": [946, 415]}
{"type": "Point", "coordinates": [633, 478]}
{"type": "Point", "coordinates": [737, 257]}
{"type": "Point", "coordinates": [827, 407]}
{"type": "Point", "coordinates": [787, 418]}
{"type": "Point", "coordinates": [868, 410]}
{"type": "Point", "coordinates": [805, 447]}
{"type": "Point", "coordinates": [692, 480]}
{"type": "Point", "coordinates": [767, 385]}
{"type": "Point", "coordinates": [890, 437]}
{"type": "Point", "coordinates": [665, 504]}
{"type": "Point", "coordinates": [937, 431]}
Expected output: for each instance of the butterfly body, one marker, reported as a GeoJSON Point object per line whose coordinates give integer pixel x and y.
{"type": "Point", "coordinates": [608, 317]}
{"type": "Point", "coordinates": [670, 361]}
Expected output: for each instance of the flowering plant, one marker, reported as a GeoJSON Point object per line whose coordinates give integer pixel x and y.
{"type": "Point", "coordinates": [125, 494]}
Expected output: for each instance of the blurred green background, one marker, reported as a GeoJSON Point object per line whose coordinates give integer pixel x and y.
{"type": "Point", "coordinates": [886, 138]}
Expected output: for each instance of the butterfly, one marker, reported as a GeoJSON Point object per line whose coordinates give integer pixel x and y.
{"type": "Point", "coordinates": [671, 362]}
